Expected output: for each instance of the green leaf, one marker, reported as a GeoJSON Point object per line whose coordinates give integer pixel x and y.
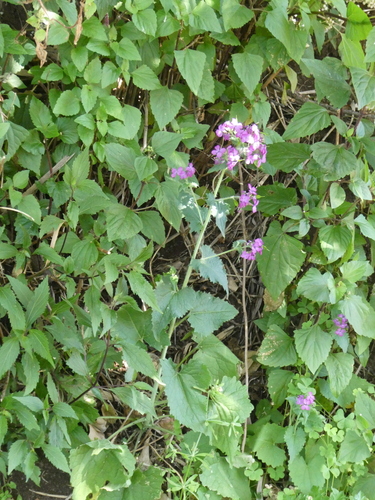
{"type": "Point", "coordinates": [165, 143]}
{"type": "Point", "coordinates": [309, 119]}
{"type": "Point", "coordinates": [167, 202]}
{"type": "Point", "coordinates": [354, 448]}
{"type": "Point", "coordinates": [57, 34]}
{"type": "Point", "coordinates": [165, 104]}
{"type": "Point", "coordinates": [132, 120]}
{"type": "Point", "coordinates": [31, 369]}
{"type": "Point", "coordinates": [361, 189]}
{"type": "Point", "coordinates": [203, 18]}
{"type": "Point", "coordinates": [278, 381]}
{"type": "Point", "coordinates": [370, 47]}
{"type": "Point", "coordinates": [3, 428]}
{"type": "Point", "coordinates": [330, 80]}
{"type": "Point", "coordinates": [235, 15]}
{"type": "Point", "coordinates": [365, 407]}
{"type": "Point", "coordinates": [64, 410]}
{"type": "Point", "coordinates": [313, 346]}
{"type": "Point", "coordinates": [336, 162]}
{"type": "Point", "coordinates": [141, 287]}
{"type": "Point", "coordinates": [145, 78]}
{"type": "Point", "coordinates": [93, 71]}
{"type": "Point", "coordinates": [79, 57]}
{"type": "Point", "coordinates": [9, 352]}
{"type": "Point", "coordinates": [281, 260]}
{"type": "Point", "coordinates": [351, 53]}
{"type": "Point", "coordinates": [249, 69]}
{"type": "Point", "coordinates": [317, 287]}
{"type": "Point", "coordinates": [307, 474]}
{"type": "Point", "coordinates": [89, 97]}
{"type": "Point", "coordinates": [294, 39]}
{"type": "Point", "coordinates": [138, 359]}
{"type": "Point", "coordinates": [122, 223]}
{"type": "Point", "coordinates": [210, 266]}
{"type": "Point", "coordinates": [334, 241]}
{"type": "Point", "coordinates": [77, 364]}
{"type": "Point", "coordinates": [217, 358]}
{"type": "Point", "coordinates": [358, 24]}
{"type": "Point", "coordinates": [15, 136]}
{"type": "Point", "coordinates": [337, 195]}
{"type": "Point", "coordinates": [218, 475]}
{"type": "Point", "coordinates": [145, 167]}
{"type": "Point", "coordinates": [84, 254]}
{"type": "Point", "coordinates": [13, 308]}
{"type": "Point", "coordinates": [208, 313]}
{"type": "Point", "coordinates": [52, 390]}
{"type": "Point", "coordinates": [364, 86]}
{"type": "Point", "coordinates": [136, 400]}
{"type": "Point", "coordinates": [152, 226]}
{"type": "Point", "coordinates": [67, 104]}
{"type": "Point", "coordinates": [185, 401]}
{"type": "Point", "coordinates": [295, 440]}
{"type": "Point", "coordinates": [17, 454]}
{"type": "Point", "coordinates": [360, 315]}
{"type": "Point", "coordinates": [264, 444]}
{"type": "Point", "coordinates": [275, 197]}
{"type": "Point", "coordinates": [146, 484]}
{"type": "Point", "coordinates": [340, 370]}
{"type": "Point", "coordinates": [38, 304]}
{"type": "Point", "coordinates": [277, 348]}
{"type": "Point", "coordinates": [127, 50]}
{"type": "Point", "coordinates": [287, 156]}
{"type": "Point", "coordinates": [7, 251]}
{"type": "Point", "coordinates": [31, 402]}
{"type": "Point", "coordinates": [191, 65]}
{"type": "Point", "coordinates": [145, 21]}
{"type": "Point", "coordinates": [39, 113]}
{"type": "Point", "coordinates": [121, 159]}
{"type": "Point", "coordinates": [56, 457]}
{"type": "Point", "coordinates": [356, 270]}
{"type": "Point", "coordinates": [367, 226]}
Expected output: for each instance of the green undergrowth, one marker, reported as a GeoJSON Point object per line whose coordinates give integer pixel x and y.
{"type": "Point", "coordinates": [103, 105]}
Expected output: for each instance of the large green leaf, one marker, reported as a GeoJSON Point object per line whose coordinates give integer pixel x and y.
{"type": "Point", "coordinates": [336, 162]}
{"type": "Point", "coordinates": [295, 439]}
{"type": "Point", "coordinates": [277, 348]}
{"type": "Point", "coordinates": [203, 18]}
{"type": "Point", "coordinates": [145, 78]}
{"type": "Point", "coordinates": [234, 14]}
{"type": "Point", "coordinates": [365, 407]}
{"type": "Point", "coordinates": [144, 484]}
{"type": "Point", "coordinates": [340, 369]}
{"type": "Point", "coordinates": [264, 443]}
{"type": "Point", "coordinates": [9, 352]}
{"type": "Point", "coordinates": [364, 86]}
{"type": "Point", "coordinates": [330, 80]}
{"type": "Point", "coordinates": [141, 287]}
{"type": "Point", "coordinates": [249, 69]}
{"type": "Point", "coordinates": [275, 197]}
{"type": "Point", "coordinates": [334, 241]}
{"type": "Point", "coordinates": [152, 226]}
{"type": "Point", "coordinates": [185, 400]}
{"type": "Point", "coordinates": [278, 381]}
{"type": "Point", "coordinates": [122, 223]}
{"type": "Point", "coordinates": [165, 143]}
{"type": "Point", "coordinates": [317, 287]}
{"type": "Point", "coordinates": [217, 357]}
{"type": "Point", "coordinates": [370, 46]}
{"type": "Point", "coordinates": [165, 104]}
{"type": "Point", "coordinates": [313, 346]}
{"type": "Point", "coordinates": [306, 474]}
{"type": "Point", "coordinates": [309, 119]}
{"type": "Point", "coordinates": [354, 448]}
{"type": "Point", "coordinates": [121, 159]}
{"type": "Point", "coordinates": [191, 65]}
{"type": "Point", "coordinates": [208, 313]}
{"type": "Point", "coordinates": [145, 21]}
{"type": "Point", "coordinates": [138, 359]}
{"type": "Point", "coordinates": [294, 39]}
{"type": "Point", "coordinates": [210, 266]}
{"type": "Point", "coordinates": [281, 260]}
{"type": "Point", "coordinates": [358, 24]}
{"type": "Point", "coordinates": [287, 156]}
{"type": "Point", "coordinates": [167, 202]}
{"type": "Point", "coordinates": [360, 314]}
{"type": "Point", "coordinates": [11, 305]}
{"type": "Point", "coordinates": [67, 104]}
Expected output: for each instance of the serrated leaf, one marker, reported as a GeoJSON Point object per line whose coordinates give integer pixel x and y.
{"type": "Point", "coordinates": [210, 266]}
{"type": "Point", "coordinates": [354, 448]}
{"type": "Point", "coordinates": [360, 315]}
{"type": "Point", "coordinates": [203, 17]}
{"type": "Point", "coordinates": [208, 313]}
{"type": "Point", "coordinates": [295, 440]}
{"type": "Point", "coordinates": [217, 357]}
{"type": "Point", "coordinates": [9, 352]}
{"type": "Point", "coordinates": [234, 14]}
{"type": "Point", "coordinates": [167, 202]}
{"type": "Point", "coordinates": [141, 287]}
{"type": "Point", "coordinates": [275, 197]}
{"type": "Point", "coordinates": [365, 407]}
{"type": "Point", "coordinates": [17, 454]}
{"type": "Point", "coordinates": [340, 369]}
{"type": "Point", "coordinates": [334, 241]}
{"type": "Point", "coordinates": [15, 312]}
{"type": "Point", "coordinates": [264, 444]}
{"type": "Point", "coordinates": [356, 270]}
{"type": "Point", "coordinates": [249, 69]}
{"type": "Point", "coordinates": [38, 304]}
{"type": "Point", "coordinates": [281, 260]}
{"type": "Point", "coordinates": [305, 475]}
{"type": "Point", "coordinates": [309, 119]}
{"type": "Point", "coordinates": [56, 457]}
{"type": "Point", "coordinates": [152, 226]}
{"type": "Point", "coordinates": [191, 65]}
{"type": "Point", "coordinates": [136, 400]}
{"type": "Point", "coordinates": [64, 410]}
{"type": "Point", "coordinates": [277, 348]}
{"type": "Point", "coordinates": [317, 287]}
{"type": "Point", "coordinates": [67, 104]}
{"type": "Point", "coordinates": [121, 159]}
{"type": "Point", "coordinates": [336, 162]}
{"type": "Point", "coordinates": [287, 156]}
{"type": "Point", "coordinates": [146, 484]}
{"type": "Point", "coordinates": [367, 226]}
{"type": "Point", "coordinates": [278, 381]}
{"type": "Point", "coordinates": [122, 223]}
{"type": "Point", "coordinates": [313, 346]}
{"type": "Point", "coordinates": [138, 359]}
{"type": "Point", "coordinates": [145, 78]}
{"type": "Point", "coordinates": [145, 21]}
{"type": "Point", "coordinates": [218, 475]}
{"type": "Point", "coordinates": [364, 86]}
{"type": "Point", "coordinates": [185, 401]}
{"type": "Point", "coordinates": [31, 369]}
{"type": "Point", "coordinates": [165, 104]}
{"type": "Point", "coordinates": [337, 195]}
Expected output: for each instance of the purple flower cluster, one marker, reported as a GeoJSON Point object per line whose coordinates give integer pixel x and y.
{"type": "Point", "coordinates": [248, 143]}
{"type": "Point", "coordinates": [342, 323]}
{"type": "Point", "coordinates": [305, 402]}
{"type": "Point", "coordinates": [183, 173]}
{"type": "Point", "coordinates": [249, 198]}
{"type": "Point", "coordinates": [256, 247]}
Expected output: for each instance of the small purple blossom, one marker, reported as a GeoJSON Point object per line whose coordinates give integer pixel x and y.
{"type": "Point", "coordinates": [256, 246]}
{"type": "Point", "coordinates": [249, 198]}
{"type": "Point", "coordinates": [247, 141]}
{"type": "Point", "coordinates": [183, 173]}
{"type": "Point", "coordinates": [342, 323]}
{"type": "Point", "coordinates": [305, 402]}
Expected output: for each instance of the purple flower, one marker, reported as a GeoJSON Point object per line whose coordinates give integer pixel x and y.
{"type": "Point", "coordinates": [256, 246]}
{"type": "Point", "coordinates": [228, 129]}
{"type": "Point", "coordinates": [305, 402]}
{"type": "Point", "coordinates": [249, 198]}
{"type": "Point", "coordinates": [183, 173]}
{"type": "Point", "coordinates": [342, 323]}
{"type": "Point", "coordinates": [228, 155]}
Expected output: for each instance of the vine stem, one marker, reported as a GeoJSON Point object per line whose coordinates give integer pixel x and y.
{"type": "Point", "coordinates": [184, 285]}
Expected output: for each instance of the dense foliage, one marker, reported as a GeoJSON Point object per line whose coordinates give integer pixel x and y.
{"type": "Point", "coordinates": [127, 133]}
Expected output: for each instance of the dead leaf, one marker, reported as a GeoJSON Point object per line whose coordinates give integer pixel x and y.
{"type": "Point", "coordinates": [41, 52]}
{"type": "Point", "coordinates": [79, 24]}
{"type": "Point", "coordinates": [269, 303]}
{"type": "Point", "coordinates": [97, 429]}
{"type": "Point", "coordinates": [144, 460]}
